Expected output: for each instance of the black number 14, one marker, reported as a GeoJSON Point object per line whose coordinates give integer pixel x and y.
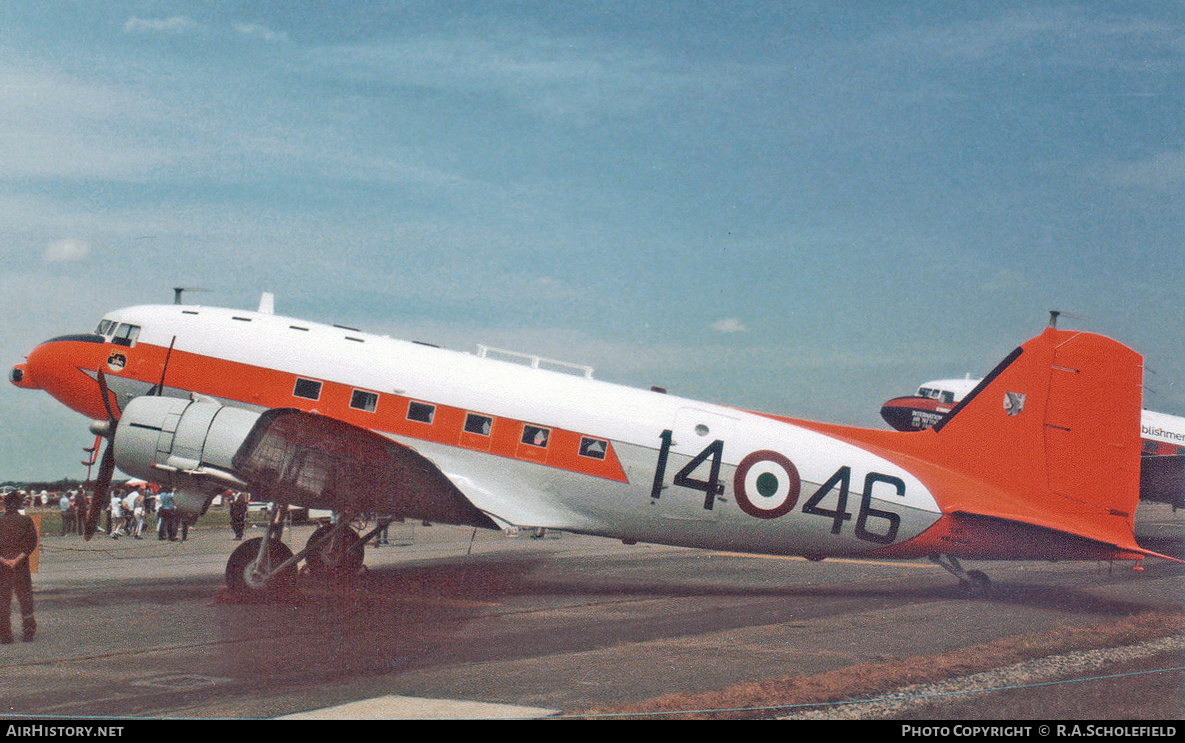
{"type": "Point", "coordinates": [683, 478]}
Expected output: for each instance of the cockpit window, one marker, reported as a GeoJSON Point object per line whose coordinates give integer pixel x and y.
{"type": "Point", "coordinates": [126, 334]}
{"type": "Point", "coordinates": [105, 328]}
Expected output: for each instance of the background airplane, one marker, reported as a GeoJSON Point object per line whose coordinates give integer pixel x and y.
{"type": "Point", "coordinates": [303, 414]}
{"type": "Point", "coordinates": [1162, 467]}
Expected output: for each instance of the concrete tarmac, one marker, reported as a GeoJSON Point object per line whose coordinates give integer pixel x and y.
{"type": "Point", "coordinates": [449, 622]}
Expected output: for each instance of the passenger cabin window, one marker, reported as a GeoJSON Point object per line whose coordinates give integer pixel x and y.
{"type": "Point", "coordinates": [126, 334]}
{"type": "Point", "coordinates": [593, 448]}
{"type": "Point", "coordinates": [309, 389]}
{"type": "Point", "coordinates": [420, 412]}
{"type": "Point", "coordinates": [363, 400]}
{"type": "Point", "coordinates": [479, 424]}
{"type": "Point", "coordinates": [535, 436]}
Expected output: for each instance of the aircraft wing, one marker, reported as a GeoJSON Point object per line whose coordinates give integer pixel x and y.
{"type": "Point", "coordinates": [510, 499]}
{"type": "Point", "coordinates": [321, 462]}
{"type": "Point", "coordinates": [311, 460]}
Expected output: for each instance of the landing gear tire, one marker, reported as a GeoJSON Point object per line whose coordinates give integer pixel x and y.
{"type": "Point", "coordinates": [974, 582]}
{"type": "Point", "coordinates": [244, 579]}
{"type": "Point", "coordinates": [977, 582]}
{"type": "Point", "coordinates": [340, 555]}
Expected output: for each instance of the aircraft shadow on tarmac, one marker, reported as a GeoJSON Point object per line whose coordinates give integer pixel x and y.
{"type": "Point", "coordinates": [476, 584]}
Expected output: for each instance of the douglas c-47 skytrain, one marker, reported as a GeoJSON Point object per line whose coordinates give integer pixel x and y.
{"type": "Point", "coordinates": [199, 399]}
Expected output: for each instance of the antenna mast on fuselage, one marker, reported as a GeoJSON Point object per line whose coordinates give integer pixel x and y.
{"type": "Point", "coordinates": [177, 290]}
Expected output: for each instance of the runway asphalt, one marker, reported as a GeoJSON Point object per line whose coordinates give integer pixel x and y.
{"type": "Point", "coordinates": [448, 622]}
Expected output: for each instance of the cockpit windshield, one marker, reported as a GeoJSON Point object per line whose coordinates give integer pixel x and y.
{"type": "Point", "coordinates": [125, 334]}
{"type": "Point", "coordinates": [934, 393]}
{"type": "Point", "coordinates": [121, 334]}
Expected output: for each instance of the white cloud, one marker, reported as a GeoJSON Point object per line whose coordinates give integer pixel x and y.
{"type": "Point", "coordinates": [729, 325]}
{"type": "Point", "coordinates": [177, 24]}
{"type": "Point", "coordinates": [1006, 281]}
{"type": "Point", "coordinates": [256, 31]}
{"type": "Point", "coordinates": [1162, 171]}
{"type": "Point", "coordinates": [565, 77]}
{"type": "Point", "coordinates": [67, 251]}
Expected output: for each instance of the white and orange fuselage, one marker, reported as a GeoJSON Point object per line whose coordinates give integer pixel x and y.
{"type": "Point", "coordinates": [535, 447]}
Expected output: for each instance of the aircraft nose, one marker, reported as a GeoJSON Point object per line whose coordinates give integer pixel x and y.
{"type": "Point", "coordinates": [57, 367]}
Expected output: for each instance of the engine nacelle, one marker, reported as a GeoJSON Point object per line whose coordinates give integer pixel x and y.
{"type": "Point", "coordinates": [185, 445]}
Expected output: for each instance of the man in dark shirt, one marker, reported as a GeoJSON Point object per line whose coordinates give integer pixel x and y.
{"type": "Point", "coordinates": [238, 514]}
{"type": "Point", "coordinates": [18, 539]}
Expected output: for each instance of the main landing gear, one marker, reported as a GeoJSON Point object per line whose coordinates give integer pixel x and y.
{"type": "Point", "coordinates": [334, 549]}
{"type": "Point", "coordinates": [259, 566]}
{"type": "Point", "coordinates": [265, 565]}
{"type": "Point", "coordinates": [975, 582]}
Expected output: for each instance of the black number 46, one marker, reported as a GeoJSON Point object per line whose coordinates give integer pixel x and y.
{"type": "Point", "coordinates": [841, 480]}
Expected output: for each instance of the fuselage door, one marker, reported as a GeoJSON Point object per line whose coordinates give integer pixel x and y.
{"type": "Point", "coordinates": [690, 481]}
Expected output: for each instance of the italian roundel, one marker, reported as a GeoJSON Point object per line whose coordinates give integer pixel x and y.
{"type": "Point", "coordinates": [766, 485]}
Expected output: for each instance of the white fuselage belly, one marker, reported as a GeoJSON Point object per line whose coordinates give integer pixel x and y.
{"type": "Point", "coordinates": [654, 436]}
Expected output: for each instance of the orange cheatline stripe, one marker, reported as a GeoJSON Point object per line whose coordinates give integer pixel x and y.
{"type": "Point", "coordinates": [270, 388]}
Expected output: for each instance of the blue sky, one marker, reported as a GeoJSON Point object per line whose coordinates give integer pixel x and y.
{"type": "Point", "coordinates": [805, 208]}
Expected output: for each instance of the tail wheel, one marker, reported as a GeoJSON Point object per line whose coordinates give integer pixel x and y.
{"type": "Point", "coordinates": [340, 554]}
{"type": "Point", "coordinates": [977, 582]}
{"type": "Point", "coordinates": [242, 575]}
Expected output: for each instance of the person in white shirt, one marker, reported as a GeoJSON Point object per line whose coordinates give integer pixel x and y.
{"type": "Point", "coordinates": [116, 515]}
{"type": "Point", "coordinates": [138, 515]}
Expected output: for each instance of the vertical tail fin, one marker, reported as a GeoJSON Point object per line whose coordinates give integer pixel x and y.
{"type": "Point", "coordinates": [1040, 461]}
{"type": "Point", "coordinates": [1055, 429]}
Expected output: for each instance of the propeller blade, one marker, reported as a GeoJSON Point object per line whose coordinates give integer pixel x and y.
{"type": "Point", "coordinates": [101, 496]}
{"type": "Point", "coordinates": [112, 410]}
